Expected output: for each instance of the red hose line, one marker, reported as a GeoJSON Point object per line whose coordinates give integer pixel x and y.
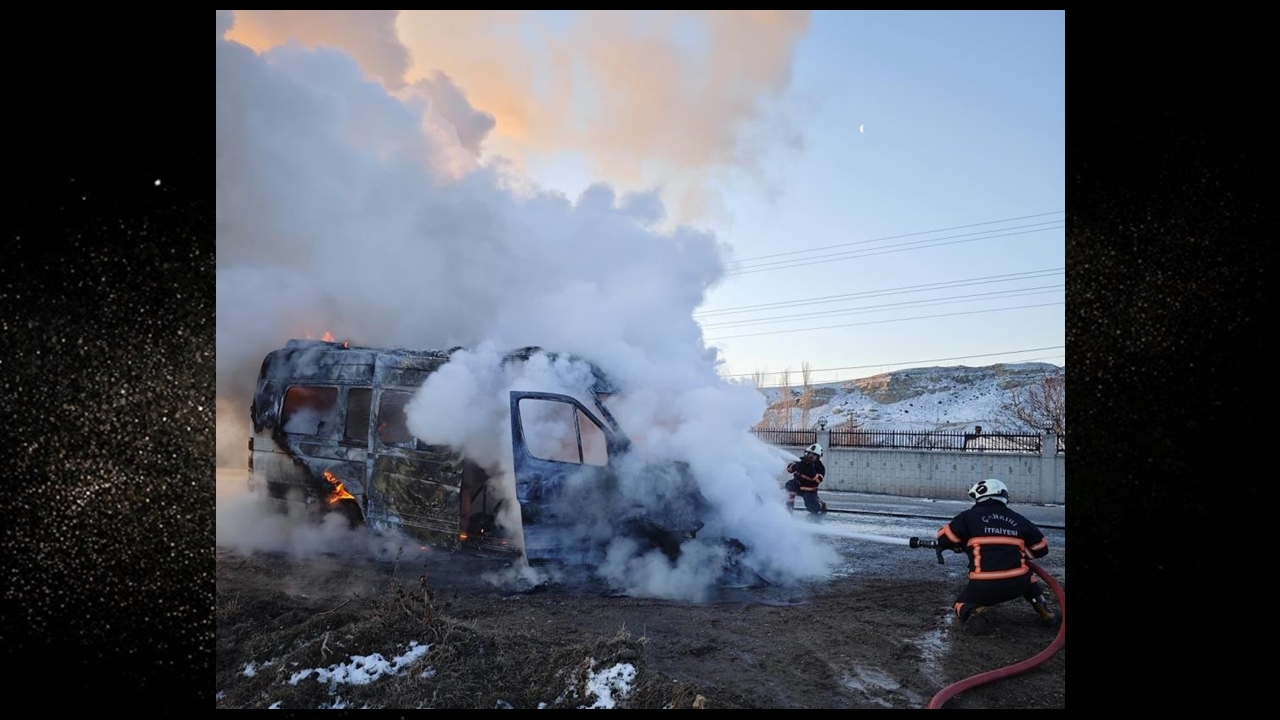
{"type": "Point", "coordinates": [983, 678]}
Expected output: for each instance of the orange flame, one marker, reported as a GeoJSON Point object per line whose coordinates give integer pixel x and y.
{"type": "Point", "coordinates": [339, 492]}
{"type": "Point", "coordinates": [327, 337]}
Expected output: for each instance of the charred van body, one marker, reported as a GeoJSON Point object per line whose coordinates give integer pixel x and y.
{"type": "Point", "coordinates": [329, 434]}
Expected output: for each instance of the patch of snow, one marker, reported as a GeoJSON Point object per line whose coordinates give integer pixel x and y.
{"type": "Point", "coordinates": [608, 683]}
{"type": "Point", "coordinates": [363, 669]}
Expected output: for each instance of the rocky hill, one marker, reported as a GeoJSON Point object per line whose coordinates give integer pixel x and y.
{"type": "Point", "coordinates": [933, 398]}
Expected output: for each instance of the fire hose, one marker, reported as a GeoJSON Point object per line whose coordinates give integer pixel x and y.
{"type": "Point", "coordinates": [1017, 668]}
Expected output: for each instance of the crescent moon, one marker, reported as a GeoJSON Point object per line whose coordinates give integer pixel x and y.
{"type": "Point", "coordinates": [862, 128]}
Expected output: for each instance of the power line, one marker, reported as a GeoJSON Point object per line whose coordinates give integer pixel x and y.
{"type": "Point", "coordinates": [855, 254]}
{"type": "Point", "coordinates": [738, 266]}
{"type": "Point", "coordinates": [1044, 358]}
{"type": "Point", "coordinates": [929, 302]}
{"type": "Point", "coordinates": [791, 259]}
{"type": "Point", "coordinates": [896, 237]}
{"type": "Point", "coordinates": [974, 235]}
{"type": "Point", "coordinates": [910, 362]}
{"type": "Point", "coordinates": [881, 322]}
{"type": "Point", "coordinates": [737, 309]}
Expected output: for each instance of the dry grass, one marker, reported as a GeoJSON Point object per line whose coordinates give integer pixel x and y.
{"type": "Point", "coordinates": [277, 638]}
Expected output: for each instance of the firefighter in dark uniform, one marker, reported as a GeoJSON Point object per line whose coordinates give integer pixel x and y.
{"type": "Point", "coordinates": [806, 475]}
{"type": "Point", "coordinates": [998, 542]}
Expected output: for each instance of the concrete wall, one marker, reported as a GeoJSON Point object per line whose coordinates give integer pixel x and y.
{"type": "Point", "coordinates": [944, 474]}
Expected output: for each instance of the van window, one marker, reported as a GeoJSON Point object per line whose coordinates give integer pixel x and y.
{"type": "Point", "coordinates": [594, 448]}
{"type": "Point", "coordinates": [393, 427]}
{"type": "Point", "coordinates": [551, 433]}
{"type": "Point", "coordinates": [310, 410]}
{"type": "Point", "coordinates": [358, 400]}
{"type": "Point", "coordinates": [548, 428]}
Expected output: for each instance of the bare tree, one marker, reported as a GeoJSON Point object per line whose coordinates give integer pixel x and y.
{"type": "Point", "coordinates": [1037, 406]}
{"type": "Point", "coordinates": [806, 396]}
{"type": "Point", "coordinates": [757, 377]}
{"type": "Point", "coordinates": [782, 408]}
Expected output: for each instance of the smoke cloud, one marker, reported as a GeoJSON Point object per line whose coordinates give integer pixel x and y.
{"type": "Point", "coordinates": [244, 523]}
{"type": "Point", "coordinates": [685, 99]}
{"type": "Point", "coordinates": [443, 97]}
{"type": "Point", "coordinates": [367, 35]}
{"type": "Point", "coordinates": [346, 209]}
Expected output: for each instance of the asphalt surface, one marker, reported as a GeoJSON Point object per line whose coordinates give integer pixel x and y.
{"type": "Point", "coordinates": [872, 534]}
{"type": "Point", "coordinates": [1047, 517]}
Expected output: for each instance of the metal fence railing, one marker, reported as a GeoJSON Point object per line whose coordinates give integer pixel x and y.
{"type": "Point", "coordinates": [786, 436]}
{"type": "Point", "coordinates": [914, 440]}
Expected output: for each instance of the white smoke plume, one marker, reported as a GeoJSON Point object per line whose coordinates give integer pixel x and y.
{"type": "Point", "coordinates": [345, 209]}
{"type": "Point", "coordinates": [245, 524]}
{"type": "Point", "coordinates": [688, 99]}
{"type": "Point", "coordinates": [442, 96]}
{"type": "Point", "coordinates": [367, 35]}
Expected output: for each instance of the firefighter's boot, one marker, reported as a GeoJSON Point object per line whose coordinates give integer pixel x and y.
{"type": "Point", "coordinates": [965, 611]}
{"type": "Point", "coordinates": [1048, 617]}
{"type": "Point", "coordinates": [974, 619]}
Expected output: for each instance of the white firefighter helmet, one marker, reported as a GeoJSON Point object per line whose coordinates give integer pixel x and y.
{"type": "Point", "coordinates": [989, 489]}
{"type": "Point", "coordinates": [815, 448]}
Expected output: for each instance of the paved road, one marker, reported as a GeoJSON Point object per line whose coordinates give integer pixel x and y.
{"type": "Point", "coordinates": [1046, 516]}
{"type": "Point", "coordinates": [870, 532]}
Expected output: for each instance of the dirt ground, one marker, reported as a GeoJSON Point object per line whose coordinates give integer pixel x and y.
{"type": "Point", "coordinates": [878, 633]}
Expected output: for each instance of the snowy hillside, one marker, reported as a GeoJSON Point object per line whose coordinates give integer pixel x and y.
{"type": "Point", "coordinates": [935, 398]}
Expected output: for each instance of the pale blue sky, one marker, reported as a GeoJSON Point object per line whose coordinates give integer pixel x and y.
{"type": "Point", "coordinates": [964, 140]}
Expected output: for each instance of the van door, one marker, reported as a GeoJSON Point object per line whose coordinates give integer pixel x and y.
{"type": "Point", "coordinates": [314, 440]}
{"type": "Point", "coordinates": [355, 439]}
{"type": "Point", "coordinates": [413, 486]}
{"type": "Point", "coordinates": [561, 454]}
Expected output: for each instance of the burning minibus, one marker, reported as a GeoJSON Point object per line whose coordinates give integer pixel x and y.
{"type": "Point", "coordinates": [330, 434]}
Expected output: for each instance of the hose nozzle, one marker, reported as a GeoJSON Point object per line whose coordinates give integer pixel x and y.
{"type": "Point", "coordinates": [916, 542]}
